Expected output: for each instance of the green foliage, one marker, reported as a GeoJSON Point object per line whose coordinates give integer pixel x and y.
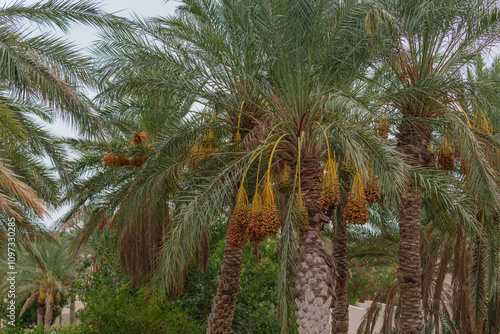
{"type": "Point", "coordinates": [366, 282]}
{"type": "Point", "coordinates": [72, 329]}
{"type": "Point", "coordinates": [121, 309]}
{"type": "Point", "coordinates": [113, 306]}
{"type": "Point", "coordinates": [256, 310]}
{"type": "Point", "coordinates": [29, 318]}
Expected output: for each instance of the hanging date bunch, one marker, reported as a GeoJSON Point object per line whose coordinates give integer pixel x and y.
{"type": "Point", "coordinates": [382, 128]}
{"type": "Point", "coordinates": [284, 182]}
{"type": "Point", "coordinates": [115, 160]}
{"type": "Point", "coordinates": [371, 189]}
{"type": "Point", "coordinates": [482, 122]}
{"type": "Point", "coordinates": [446, 156]}
{"type": "Point", "coordinates": [237, 136]}
{"type": "Point", "coordinates": [330, 186]}
{"type": "Point", "coordinates": [347, 167]}
{"type": "Point", "coordinates": [141, 138]}
{"type": "Point", "coordinates": [356, 211]}
{"type": "Point", "coordinates": [263, 218]}
{"type": "Point", "coordinates": [303, 215]}
{"type": "Point", "coordinates": [208, 144]}
{"type": "Point", "coordinates": [145, 141]}
{"type": "Point", "coordinates": [237, 235]}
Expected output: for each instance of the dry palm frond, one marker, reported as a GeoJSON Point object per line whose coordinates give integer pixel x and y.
{"type": "Point", "coordinates": [10, 182]}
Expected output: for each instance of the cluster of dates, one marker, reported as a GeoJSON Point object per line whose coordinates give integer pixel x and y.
{"type": "Point", "coordinates": [382, 128]}
{"type": "Point", "coordinates": [356, 211]}
{"type": "Point", "coordinates": [330, 186]}
{"type": "Point", "coordinates": [253, 222]}
{"type": "Point", "coordinates": [115, 160]}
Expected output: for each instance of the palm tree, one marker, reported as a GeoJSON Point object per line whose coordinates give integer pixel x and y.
{"type": "Point", "coordinates": [431, 42]}
{"type": "Point", "coordinates": [39, 72]}
{"type": "Point", "coordinates": [195, 65]}
{"type": "Point", "coordinates": [46, 281]}
{"type": "Point", "coordinates": [295, 117]}
{"type": "Point", "coordinates": [234, 111]}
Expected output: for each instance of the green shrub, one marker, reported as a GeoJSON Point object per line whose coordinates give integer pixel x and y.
{"type": "Point", "coordinates": [365, 282]}
{"type": "Point", "coordinates": [113, 306]}
{"type": "Point", "coordinates": [73, 329]}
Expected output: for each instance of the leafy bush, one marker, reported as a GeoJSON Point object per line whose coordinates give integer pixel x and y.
{"type": "Point", "coordinates": [366, 282]}
{"type": "Point", "coordinates": [73, 329]}
{"type": "Point", "coordinates": [113, 306]}
{"type": "Point", "coordinates": [29, 317]}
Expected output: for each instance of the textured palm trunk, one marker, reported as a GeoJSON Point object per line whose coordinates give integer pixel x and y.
{"type": "Point", "coordinates": [315, 283]}
{"type": "Point", "coordinates": [224, 302]}
{"type": "Point", "coordinates": [413, 141]}
{"type": "Point", "coordinates": [48, 317]}
{"type": "Point", "coordinates": [340, 314]}
{"type": "Point", "coordinates": [72, 317]}
{"type": "Point", "coordinates": [39, 314]}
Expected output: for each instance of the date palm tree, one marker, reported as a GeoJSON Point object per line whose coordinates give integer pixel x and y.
{"type": "Point", "coordinates": [295, 84]}
{"type": "Point", "coordinates": [432, 42]}
{"type": "Point", "coordinates": [45, 279]}
{"type": "Point", "coordinates": [39, 78]}
{"type": "Point", "coordinates": [294, 117]}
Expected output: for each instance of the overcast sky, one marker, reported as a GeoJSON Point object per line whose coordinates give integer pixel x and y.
{"type": "Point", "coordinates": [83, 36]}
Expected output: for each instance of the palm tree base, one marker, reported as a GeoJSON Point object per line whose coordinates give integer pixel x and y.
{"type": "Point", "coordinates": [315, 284]}
{"type": "Point", "coordinates": [221, 316]}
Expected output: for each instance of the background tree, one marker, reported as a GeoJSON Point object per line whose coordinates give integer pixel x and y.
{"type": "Point", "coordinates": [39, 72]}
{"type": "Point", "coordinates": [46, 279]}
{"type": "Point", "coordinates": [432, 42]}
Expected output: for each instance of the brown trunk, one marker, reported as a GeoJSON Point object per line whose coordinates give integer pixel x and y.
{"type": "Point", "coordinates": [340, 314]}
{"type": "Point", "coordinates": [221, 316]}
{"type": "Point", "coordinates": [414, 139]}
{"type": "Point", "coordinates": [48, 316]}
{"type": "Point", "coordinates": [315, 283]}
{"type": "Point", "coordinates": [72, 317]}
{"type": "Point", "coordinates": [39, 314]}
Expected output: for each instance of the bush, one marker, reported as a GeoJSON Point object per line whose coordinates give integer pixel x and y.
{"type": "Point", "coordinates": [123, 310]}
{"type": "Point", "coordinates": [366, 282]}
{"type": "Point", "coordinates": [73, 329]}
{"type": "Point", "coordinates": [113, 306]}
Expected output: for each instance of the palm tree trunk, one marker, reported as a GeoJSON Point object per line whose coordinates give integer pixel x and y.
{"type": "Point", "coordinates": [48, 316]}
{"type": "Point", "coordinates": [224, 302]}
{"type": "Point", "coordinates": [409, 262]}
{"type": "Point", "coordinates": [340, 314]}
{"type": "Point", "coordinates": [72, 317]}
{"type": "Point", "coordinates": [315, 283]}
{"type": "Point", "coordinates": [39, 314]}
{"type": "Point", "coordinates": [414, 139]}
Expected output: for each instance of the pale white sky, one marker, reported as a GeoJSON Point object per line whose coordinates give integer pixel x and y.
{"type": "Point", "coordinates": [84, 36]}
